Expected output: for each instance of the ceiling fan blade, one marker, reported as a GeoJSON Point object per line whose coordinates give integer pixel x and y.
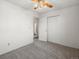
{"type": "Point", "coordinates": [48, 4]}
{"type": "Point", "coordinates": [35, 1]}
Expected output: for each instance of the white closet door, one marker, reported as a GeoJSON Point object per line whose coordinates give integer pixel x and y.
{"type": "Point", "coordinates": [55, 29]}
{"type": "Point", "coordinates": [51, 28]}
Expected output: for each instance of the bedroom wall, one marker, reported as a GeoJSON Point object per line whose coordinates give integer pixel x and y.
{"type": "Point", "coordinates": [43, 29]}
{"type": "Point", "coordinates": [64, 29]}
{"type": "Point", "coordinates": [16, 27]}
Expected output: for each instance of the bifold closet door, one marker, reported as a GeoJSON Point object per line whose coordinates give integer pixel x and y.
{"type": "Point", "coordinates": [51, 28]}
{"type": "Point", "coordinates": [55, 29]}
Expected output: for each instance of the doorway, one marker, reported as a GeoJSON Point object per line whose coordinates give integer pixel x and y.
{"type": "Point", "coordinates": [36, 28]}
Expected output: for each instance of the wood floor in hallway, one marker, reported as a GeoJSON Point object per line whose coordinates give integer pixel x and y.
{"type": "Point", "coordinates": [43, 50]}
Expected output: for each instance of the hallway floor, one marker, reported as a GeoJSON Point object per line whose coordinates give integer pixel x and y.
{"type": "Point", "coordinates": [42, 50]}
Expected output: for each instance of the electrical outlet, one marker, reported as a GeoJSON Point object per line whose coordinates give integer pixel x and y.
{"type": "Point", "coordinates": [8, 44]}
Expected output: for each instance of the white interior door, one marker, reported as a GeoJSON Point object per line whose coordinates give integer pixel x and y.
{"type": "Point", "coordinates": [53, 29]}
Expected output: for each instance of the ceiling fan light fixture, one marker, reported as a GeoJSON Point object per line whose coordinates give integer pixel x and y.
{"type": "Point", "coordinates": [42, 4]}
{"type": "Point", "coordinates": [35, 1]}
{"type": "Point", "coordinates": [47, 4]}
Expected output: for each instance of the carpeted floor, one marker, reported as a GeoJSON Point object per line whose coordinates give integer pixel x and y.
{"type": "Point", "coordinates": [42, 50]}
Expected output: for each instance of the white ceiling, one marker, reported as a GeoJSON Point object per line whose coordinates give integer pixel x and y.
{"type": "Point", "coordinates": [27, 4]}
{"type": "Point", "coordinates": [59, 4]}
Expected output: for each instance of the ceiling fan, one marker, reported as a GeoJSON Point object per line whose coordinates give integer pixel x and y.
{"type": "Point", "coordinates": [41, 4]}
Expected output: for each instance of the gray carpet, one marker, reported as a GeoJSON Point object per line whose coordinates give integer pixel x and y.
{"type": "Point", "coordinates": [42, 50]}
